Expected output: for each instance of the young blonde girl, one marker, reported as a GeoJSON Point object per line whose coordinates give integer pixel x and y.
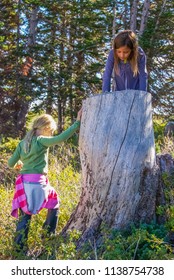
{"type": "Point", "coordinates": [126, 63]}
{"type": "Point", "coordinates": [32, 190]}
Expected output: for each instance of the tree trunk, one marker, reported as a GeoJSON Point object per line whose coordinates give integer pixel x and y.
{"type": "Point", "coordinates": [119, 171]}
{"type": "Point", "coordinates": [144, 16]}
{"type": "Point", "coordinates": [133, 19]}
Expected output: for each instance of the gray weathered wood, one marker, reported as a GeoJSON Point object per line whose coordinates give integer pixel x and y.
{"type": "Point", "coordinates": [119, 170]}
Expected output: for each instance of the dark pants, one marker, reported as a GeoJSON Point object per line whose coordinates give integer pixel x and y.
{"type": "Point", "coordinates": [23, 225]}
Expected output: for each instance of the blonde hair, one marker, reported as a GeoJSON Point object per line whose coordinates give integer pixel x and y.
{"type": "Point", "coordinates": [41, 122]}
{"type": "Point", "coordinates": [126, 38]}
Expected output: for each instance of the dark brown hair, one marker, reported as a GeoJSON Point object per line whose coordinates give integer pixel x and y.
{"type": "Point", "coordinates": [126, 38]}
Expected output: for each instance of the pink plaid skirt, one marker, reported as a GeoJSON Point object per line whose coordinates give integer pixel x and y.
{"type": "Point", "coordinates": [33, 193]}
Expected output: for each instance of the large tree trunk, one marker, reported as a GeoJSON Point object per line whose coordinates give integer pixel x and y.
{"type": "Point", "coordinates": [144, 16]}
{"type": "Point", "coordinates": [119, 170]}
{"type": "Point", "coordinates": [133, 18]}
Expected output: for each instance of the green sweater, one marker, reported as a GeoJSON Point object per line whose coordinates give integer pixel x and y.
{"type": "Point", "coordinates": [36, 160]}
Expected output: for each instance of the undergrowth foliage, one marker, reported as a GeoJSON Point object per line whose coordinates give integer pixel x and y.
{"type": "Point", "coordinates": [142, 243]}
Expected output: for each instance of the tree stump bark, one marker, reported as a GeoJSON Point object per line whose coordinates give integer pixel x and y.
{"type": "Point", "coordinates": [120, 175]}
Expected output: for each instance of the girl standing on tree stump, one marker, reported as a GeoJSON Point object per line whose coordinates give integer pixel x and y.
{"type": "Point", "coordinates": [127, 63]}
{"type": "Point", "coordinates": [33, 191]}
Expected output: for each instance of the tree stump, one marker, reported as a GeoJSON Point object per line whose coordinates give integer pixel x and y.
{"type": "Point", "coordinates": [119, 171]}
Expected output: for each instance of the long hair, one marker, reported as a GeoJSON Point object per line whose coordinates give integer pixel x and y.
{"type": "Point", "coordinates": [43, 121]}
{"type": "Point", "coordinates": [126, 38]}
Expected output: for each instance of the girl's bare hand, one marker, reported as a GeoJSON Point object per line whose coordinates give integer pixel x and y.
{"type": "Point", "coordinates": [79, 115]}
{"type": "Point", "coordinates": [18, 165]}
